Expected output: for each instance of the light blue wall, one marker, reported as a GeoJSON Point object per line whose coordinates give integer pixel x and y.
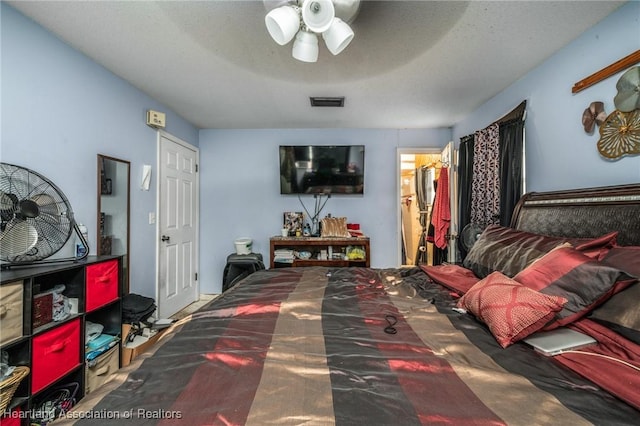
{"type": "Point", "coordinates": [560, 155]}
{"type": "Point", "coordinates": [60, 109]}
{"type": "Point", "coordinates": [240, 189]}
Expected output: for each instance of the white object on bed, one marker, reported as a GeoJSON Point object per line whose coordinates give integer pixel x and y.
{"type": "Point", "coordinates": [557, 341]}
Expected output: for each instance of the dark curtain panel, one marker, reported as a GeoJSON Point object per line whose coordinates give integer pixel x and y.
{"type": "Point", "coordinates": [465, 177]}
{"type": "Point", "coordinates": [517, 113]}
{"type": "Point", "coordinates": [511, 150]}
{"type": "Point", "coordinates": [511, 161]}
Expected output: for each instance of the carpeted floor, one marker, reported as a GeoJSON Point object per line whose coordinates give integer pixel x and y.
{"type": "Point", "coordinates": [204, 299]}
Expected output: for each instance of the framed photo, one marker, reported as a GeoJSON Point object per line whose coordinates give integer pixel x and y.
{"type": "Point", "coordinates": [293, 221]}
{"type": "Point", "coordinates": [106, 188]}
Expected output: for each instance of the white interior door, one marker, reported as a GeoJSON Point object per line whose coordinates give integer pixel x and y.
{"type": "Point", "coordinates": [178, 184]}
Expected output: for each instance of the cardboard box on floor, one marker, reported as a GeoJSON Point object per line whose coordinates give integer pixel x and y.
{"type": "Point", "coordinates": [129, 354]}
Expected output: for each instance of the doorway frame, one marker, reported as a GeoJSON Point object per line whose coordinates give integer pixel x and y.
{"type": "Point", "coordinates": [399, 153]}
{"type": "Point", "coordinates": [159, 211]}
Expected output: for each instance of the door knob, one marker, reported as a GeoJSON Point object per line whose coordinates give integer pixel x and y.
{"type": "Point", "coordinates": [165, 238]}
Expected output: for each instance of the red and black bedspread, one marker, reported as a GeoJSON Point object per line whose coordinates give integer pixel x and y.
{"type": "Point", "coordinates": [346, 346]}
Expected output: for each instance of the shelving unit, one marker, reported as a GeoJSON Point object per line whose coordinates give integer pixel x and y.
{"type": "Point", "coordinates": [314, 245]}
{"type": "Point", "coordinates": [55, 350]}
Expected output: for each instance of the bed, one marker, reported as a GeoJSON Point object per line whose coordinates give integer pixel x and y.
{"type": "Point", "coordinates": [365, 346]}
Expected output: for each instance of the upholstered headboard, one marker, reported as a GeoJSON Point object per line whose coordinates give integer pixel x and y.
{"type": "Point", "coordinates": [588, 212]}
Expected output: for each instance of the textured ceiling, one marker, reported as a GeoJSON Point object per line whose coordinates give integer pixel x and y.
{"type": "Point", "coordinates": [412, 64]}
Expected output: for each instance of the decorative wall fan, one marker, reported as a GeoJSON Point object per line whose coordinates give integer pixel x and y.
{"type": "Point", "coordinates": [620, 134]}
{"type": "Point", "coordinates": [36, 219]}
{"type": "Point", "coordinates": [628, 97]}
{"type": "Point", "coordinates": [594, 114]}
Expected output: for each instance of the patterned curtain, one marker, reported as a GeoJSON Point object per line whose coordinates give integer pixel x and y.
{"type": "Point", "coordinates": [491, 172]}
{"type": "Point", "coordinates": [485, 186]}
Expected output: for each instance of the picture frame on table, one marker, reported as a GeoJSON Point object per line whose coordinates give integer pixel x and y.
{"type": "Point", "coordinates": [293, 222]}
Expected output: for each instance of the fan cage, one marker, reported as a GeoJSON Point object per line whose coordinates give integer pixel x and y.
{"type": "Point", "coordinates": [36, 217]}
{"type": "Point", "coordinates": [470, 234]}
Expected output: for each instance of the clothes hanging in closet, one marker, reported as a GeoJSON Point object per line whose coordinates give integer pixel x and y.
{"type": "Point", "coordinates": [441, 217]}
{"type": "Point", "coordinates": [421, 182]}
{"type": "Point", "coordinates": [439, 254]}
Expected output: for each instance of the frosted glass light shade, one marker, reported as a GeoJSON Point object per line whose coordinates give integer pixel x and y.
{"type": "Point", "coordinates": [282, 23]}
{"type": "Point", "coordinates": [338, 36]}
{"type": "Point", "coordinates": [318, 14]}
{"type": "Point", "coordinates": [305, 47]}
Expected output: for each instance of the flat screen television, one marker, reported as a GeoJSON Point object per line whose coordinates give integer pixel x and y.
{"type": "Point", "coordinates": [322, 169]}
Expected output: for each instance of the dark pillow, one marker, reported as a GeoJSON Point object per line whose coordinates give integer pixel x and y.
{"type": "Point", "coordinates": [510, 310]}
{"type": "Point", "coordinates": [622, 308]}
{"type": "Point", "coordinates": [583, 281]}
{"type": "Point", "coordinates": [626, 259]}
{"type": "Point", "coordinates": [510, 251]}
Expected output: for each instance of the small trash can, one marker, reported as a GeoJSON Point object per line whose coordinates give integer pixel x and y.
{"type": "Point", "coordinates": [240, 266]}
{"type": "Point", "coordinates": [243, 245]}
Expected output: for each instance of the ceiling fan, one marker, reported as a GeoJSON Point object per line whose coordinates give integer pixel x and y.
{"type": "Point", "coordinates": [306, 19]}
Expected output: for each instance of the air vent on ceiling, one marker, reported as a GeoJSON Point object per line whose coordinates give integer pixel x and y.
{"type": "Point", "coordinates": [319, 101]}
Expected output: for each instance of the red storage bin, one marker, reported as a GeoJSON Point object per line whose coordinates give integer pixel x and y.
{"type": "Point", "coordinates": [102, 284]}
{"type": "Point", "coordinates": [12, 418]}
{"type": "Point", "coordinates": [55, 353]}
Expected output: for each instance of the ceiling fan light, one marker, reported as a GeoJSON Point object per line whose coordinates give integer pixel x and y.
{"type": "Point", "coordinates": [282, 23]}
{"type": "Point", "coordinates": [338, 36]}
{"type": "Point", "coordinates": [318, 14]}
{"type": "Point", "coordinates": [347, 10]}
{"type": "Point", "coordinates": [305, 47]}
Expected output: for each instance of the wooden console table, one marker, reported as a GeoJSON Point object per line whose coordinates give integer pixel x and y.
{"type": "Point", "coordinates": [314, 245]}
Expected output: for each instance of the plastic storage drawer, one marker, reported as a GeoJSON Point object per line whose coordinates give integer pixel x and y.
{"type": "Point", "coordinates": [10, 312]}
{"type": "Point", "coordinates": [55, 353]}
{"type": "Point", "coordinates": [105, 365]}
{"type": "Point", "coordinates": [102, 284]}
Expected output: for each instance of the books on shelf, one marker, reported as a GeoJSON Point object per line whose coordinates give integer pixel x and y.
{"type": "Point", "coordinates": [283, 256]}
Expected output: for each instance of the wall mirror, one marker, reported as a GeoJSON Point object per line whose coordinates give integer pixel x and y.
{"type": "Point", "coordinates": [114, 178]}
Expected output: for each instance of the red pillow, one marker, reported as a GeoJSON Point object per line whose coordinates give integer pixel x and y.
{"type": "Point", "coordinates": [582, 281]}
{"type": "Point", "coordinates": [510, 310]}
{"type": "Point", "coordinates": [454, 277]}
{"type": "Point", "coordinates": [596, 248]}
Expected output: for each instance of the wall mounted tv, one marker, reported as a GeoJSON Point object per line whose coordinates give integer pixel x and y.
{"type": "Point", "coordinates": [322, 169]}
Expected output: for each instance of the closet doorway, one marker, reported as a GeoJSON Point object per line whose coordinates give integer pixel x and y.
{"type": "Point", "coordinates": [413, 219]}
{"type": "Point", "coordinates": [415, 203]}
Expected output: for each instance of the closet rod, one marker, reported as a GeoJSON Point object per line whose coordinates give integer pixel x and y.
{"type": "Point", "coordinates": [608, 71]}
